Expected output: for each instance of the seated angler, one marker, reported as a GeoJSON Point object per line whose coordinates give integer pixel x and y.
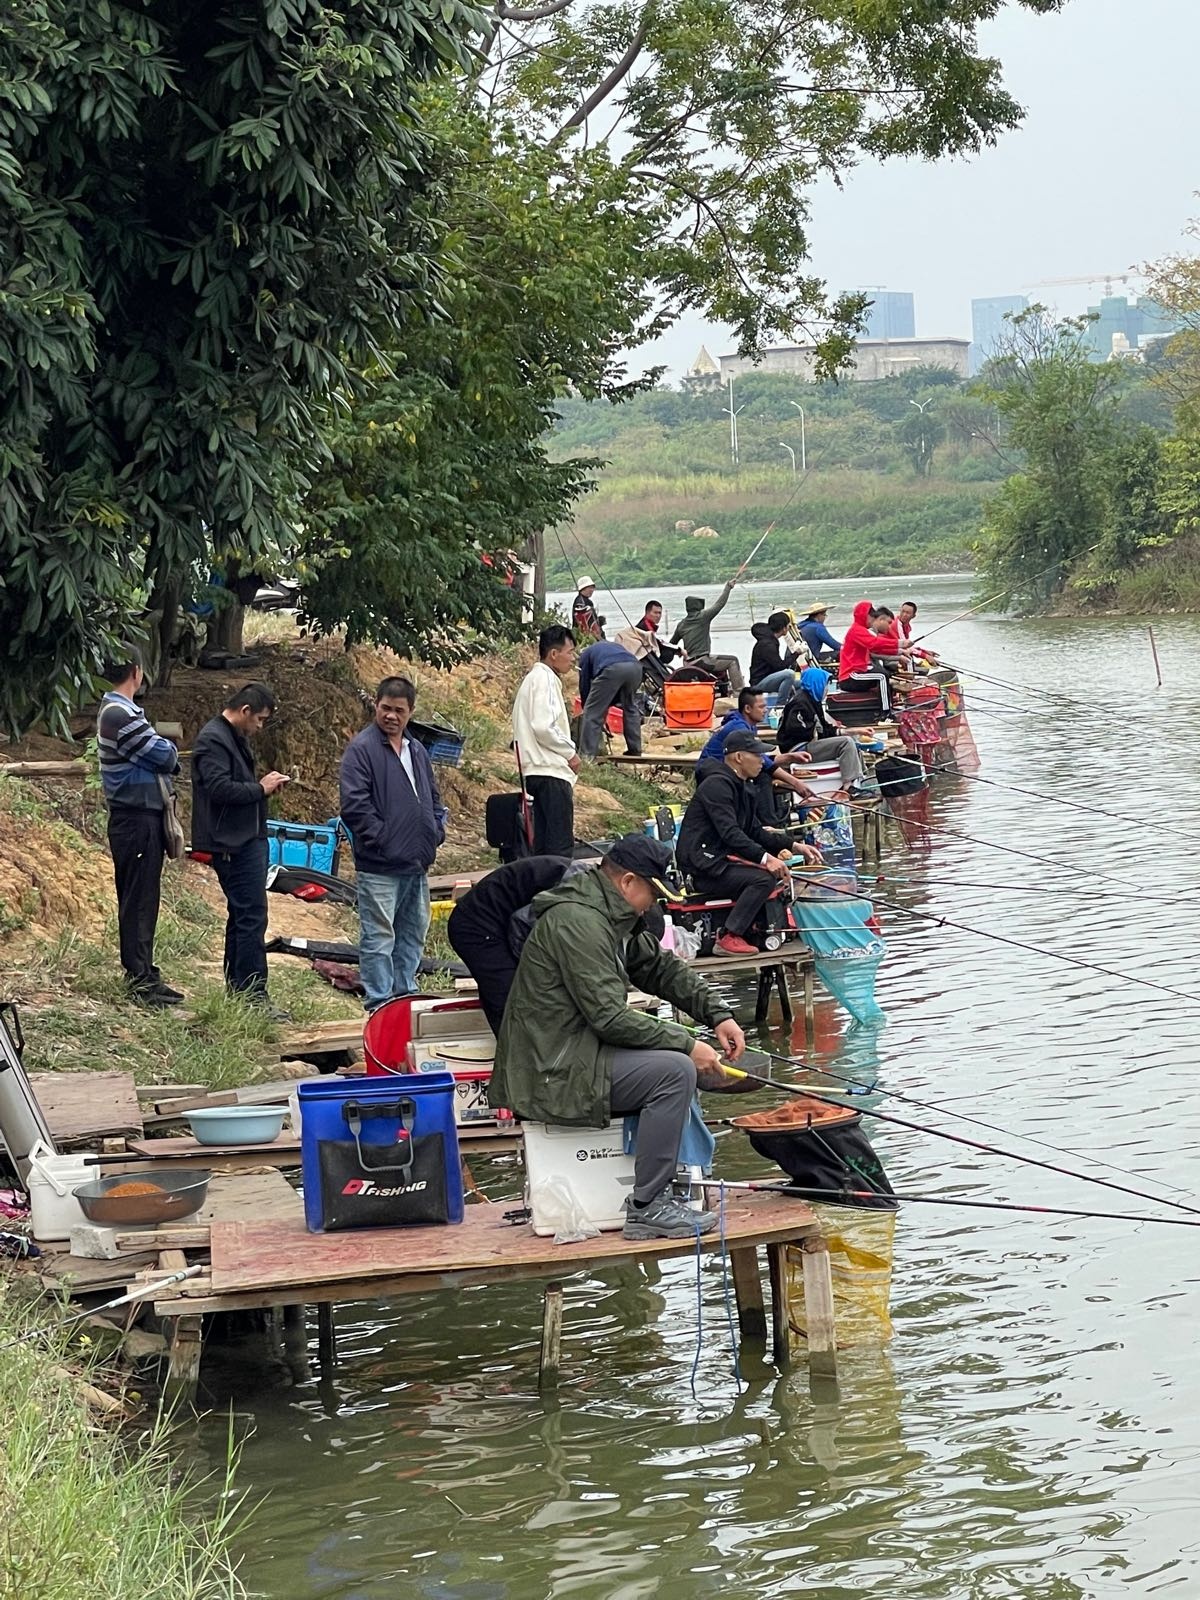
{"type": "Point", "coordinates": [807, 725]}
{"type": "Point", "coordinates": [856, 669]}
{"type": "Point", "coordinates": [821, 643]}
{"type": "Point", "coordinates": [572, 1051]}
{"type": "Point", "coordinates": [723, 845]}
{"type": "Point", "coordinates": [694, 633]}
{"type": "Point", "coordinates": [650, 624]}
{"type": "Point", "coordinates": [888, 652]}
{"type": "Point", "coordinates": [749, 717]}
{"type": "Point", "coordinates": [772, 668]}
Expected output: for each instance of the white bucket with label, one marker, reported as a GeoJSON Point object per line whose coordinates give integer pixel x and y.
{"type": "Point", "coordinates": [52, 1180]}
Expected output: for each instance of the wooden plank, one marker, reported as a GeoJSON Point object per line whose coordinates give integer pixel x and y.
{"type": "Point", "coordinates": [167, 1091]}
{"type": "Point", "coordinates": [262, 1195]}
{"type": "Point", "coordinates": [255, 1094]}
{"type": "Point", "coordinates": [748, 1292]}
{"type": "Point", "coordinates": [278, 1255]}
{"type": "Point", "coordinates": [819, 1319]}
{"type": "Point", "coordinates": [343, 1033]}
{"type": "Point", "coordinates": [781, 1333]}
{"type": "Point", "coordinates": [84, 1106]}
{"type": "Point", "coordinates": [186, 1148]}
{"type": "Point", "coordinates": [178, 1236]}
{"type": "Point", "coordinates": [550, 1356]}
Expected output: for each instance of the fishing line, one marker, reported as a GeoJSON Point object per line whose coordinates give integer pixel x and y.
{"type": "Point", "coordinates": [999, 595]}
{"type": "Point", "coordinates": [840, 1196]}
{"type": "Point", "coordinates": [1021, 944]}
{"type": "Point", "coordinates": [978, 1122]}
{"type": "Point", "coordinates": [1056, 800]}
{"type": "Point", "coordinates": [1030, 688]}
{"type": "Point", "coordinates": [604, 581]}
{"type": "Point", "coordinates": [1011, 888]}
{"type": "Point", "coordinates": [971, 1144]}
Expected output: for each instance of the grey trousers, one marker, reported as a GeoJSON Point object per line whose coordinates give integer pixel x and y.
{"type": "Point", "coordinates": [840, 748]}
{"type": "Point", "coordinates": [619, 684]}
{"type": "Point", "coordinates": [659, 1084]}
{"type": "Point", "coordinates": [730, 666]}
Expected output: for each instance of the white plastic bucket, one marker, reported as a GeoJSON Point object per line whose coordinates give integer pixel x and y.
{"type": "Point", "coordinates": [53, 1208]}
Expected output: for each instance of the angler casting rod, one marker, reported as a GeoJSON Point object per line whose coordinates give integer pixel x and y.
{"type": "Point", "coordinates": [842, 1195]}
{"type": "Point", "coordinates": [793, 1090]}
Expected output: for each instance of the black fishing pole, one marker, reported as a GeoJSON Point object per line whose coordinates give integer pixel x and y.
{"type": "Point", "coordinates": [1056, 800]}
{"type": "Point", "coordinates": [961, 1116]}
{"type": "Point", "coordinates": [793, 1090]}
{"type": "Point", "coordinates": [999, 595]}
{"type": "Point", "coordinates": [840, 1196]}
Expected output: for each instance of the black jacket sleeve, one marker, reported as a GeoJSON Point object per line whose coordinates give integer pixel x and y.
{"type": "Point", "coordinates": [360, 810]}
{"type": "Point", "coordinates": [214, 763]}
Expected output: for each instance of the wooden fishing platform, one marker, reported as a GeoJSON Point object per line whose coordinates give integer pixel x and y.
{"type": "Point", "coordinates": [273, 1263]}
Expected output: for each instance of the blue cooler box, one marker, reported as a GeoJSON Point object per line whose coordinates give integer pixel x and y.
{"type": "Point", "coordinates": [380, 1152]}
{"type": "Point", "coordinates": [304, 844]}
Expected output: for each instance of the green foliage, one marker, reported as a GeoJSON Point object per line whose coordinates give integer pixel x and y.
{"type": "Point", "coordinates": [210, 215]}
{"type": "Point", "coordinates": [920, 433]}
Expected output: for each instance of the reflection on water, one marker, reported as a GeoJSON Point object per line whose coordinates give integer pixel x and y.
{"type": "Point", "coordinates": [1032, 1430]}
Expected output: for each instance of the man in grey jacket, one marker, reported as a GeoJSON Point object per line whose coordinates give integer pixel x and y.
{"type": "Point", "coordinates": [694, 633]}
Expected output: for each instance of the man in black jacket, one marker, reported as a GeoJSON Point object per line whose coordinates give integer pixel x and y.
{"type": "Point", "coordinates": [229, 823]}
{"type": "Point", "coordinates": [723, 845]}
{"type": "Point", "coordinates": [480, 929]}
{"type": "Point", "coordinates": [392, 808]}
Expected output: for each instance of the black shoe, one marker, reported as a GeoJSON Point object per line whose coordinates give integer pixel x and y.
{"type": "Point", "coordinates": [154, 999]}
{"type": "Point", "coordinates": [171, 996]}
{"type": "Point", "coordinates": [262, 1002]}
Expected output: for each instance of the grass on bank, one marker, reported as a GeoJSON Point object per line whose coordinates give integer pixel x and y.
{"type": "Point", "coordinates": [92, 1514]}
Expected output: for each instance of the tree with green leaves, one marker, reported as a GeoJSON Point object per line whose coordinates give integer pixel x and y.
{"type": "Point", "coordinates": [1060, 410]}
{"type": "Point", "coordinates": [211, 217]}
{"type": "Point", "coordinates": [920, 432]}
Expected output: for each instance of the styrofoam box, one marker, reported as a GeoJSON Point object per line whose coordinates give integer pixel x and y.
{"type": "Point", "coordinates": [823, 777]}
{"type": "Point", "coordinates": [469, 1061]}
{"type": "Point", "coordinates": [450, 1023]}
{"type": "Point", "coordinates": [591, 1160]}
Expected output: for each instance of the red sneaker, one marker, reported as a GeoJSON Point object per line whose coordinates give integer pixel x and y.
{"type": "Point", "coordinates": [730, 945]}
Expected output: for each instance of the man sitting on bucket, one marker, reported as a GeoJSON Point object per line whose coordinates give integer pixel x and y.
{"type": "Point", "coordinates": [571, 1049]}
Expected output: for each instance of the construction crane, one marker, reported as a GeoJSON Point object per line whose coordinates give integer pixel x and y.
{"type": "Point", "coordinates": [1106, 278]}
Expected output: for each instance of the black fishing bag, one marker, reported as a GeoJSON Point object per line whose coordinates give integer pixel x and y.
{"type": "Point", "coordinates": [832, 1160]}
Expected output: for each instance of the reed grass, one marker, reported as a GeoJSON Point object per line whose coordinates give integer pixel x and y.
{"type": "Point", "coordinates": [88, 1513]}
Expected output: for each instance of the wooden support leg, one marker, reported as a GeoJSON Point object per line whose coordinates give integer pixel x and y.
{"type": "Point", "coordinates": [183, 1362]}
{"type": "Point", "coordinates": [785, 998]}
{"type": "Point", "coordinates": [810, 1006]}
{"type": "Point", "coordinates": [326, 1338]}
{"type": "Point", "coordinates": [818, 1310]}
{"type": "Point", "coordinates": [762, 1003]}
{"type": "Point", "coordinates": [747, 1289]}
{"type": "Point", "coordinates": [780, 1331]}
{"type": "Point", "coordinates": [552, 1312]}
{"type": "Point", "coordinates": [877, 816]}
{"type": "Point", "coordinates": [295, 1343]}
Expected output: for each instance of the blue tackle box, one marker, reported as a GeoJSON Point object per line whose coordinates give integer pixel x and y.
{"type": "Point", "coordinates": [305, 844]}
{"type": "Point", "coordinates": [444, 744]}
{"type": "Point", "coordinates": [380, 1152]}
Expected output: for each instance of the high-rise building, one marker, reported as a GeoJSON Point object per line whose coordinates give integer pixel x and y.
{"type": "Point", "coordinates": [1128, 322]}
{"type": "Point", "coordinates": [891, 315]}
{"type": "Point", "coordinates": [988, 326]}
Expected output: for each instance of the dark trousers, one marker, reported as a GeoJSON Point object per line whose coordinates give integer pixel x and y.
{"type": "Point", "coordinates": [615, 685]}
{"type": "Point", "coordinates": [242, 875]}
{"type": "Point", "coordinates": [136, 841]}
{"type": "Point", "coordinates": [553, 816]}
{"type": "Point", "coordinates": [748, 887]}
{"type": "Point", "coordinates": [488, 959]}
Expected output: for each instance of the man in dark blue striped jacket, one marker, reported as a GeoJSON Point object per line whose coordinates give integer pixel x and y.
{"type": "Point", "coordinates": [133, 758]}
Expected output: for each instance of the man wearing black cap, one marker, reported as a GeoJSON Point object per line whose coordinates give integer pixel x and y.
{"type": "Point", "coordinates": [723, 845]}
{"type": "Point", "coordinates": [572, 1051]}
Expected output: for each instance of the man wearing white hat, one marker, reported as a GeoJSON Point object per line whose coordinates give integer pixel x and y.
{"type": "Point", "coordinates": [815, 634]}
{"type": "Point", "coordinates": [584, 619]}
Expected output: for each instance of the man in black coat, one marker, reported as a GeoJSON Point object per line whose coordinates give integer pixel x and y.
{"type": "Point", "coordinates": [229, 823]}
{"type": "Point", "coordinates": [480, 926]}
{"type": "Point", "coordinates": [723, 845]}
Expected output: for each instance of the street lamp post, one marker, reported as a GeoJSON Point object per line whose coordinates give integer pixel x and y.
{"type": "Point", "coordinates": [803, 447]}
{"type": "Point", "coordinates": [733, 428]}
{"type": "Point", "coordinates": [790, 452]}
{"type": "Point", "coordinates": [921, 405]}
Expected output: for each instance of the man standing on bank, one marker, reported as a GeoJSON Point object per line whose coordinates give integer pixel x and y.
{"type": "Point", "coordinates": [542, 736]}
{"type": "Point", "coordinates": [133, 760]}
{"type": "Point", "coordinates": [229, 824]}
{"type": "Point", "coordinates": [392, 808]}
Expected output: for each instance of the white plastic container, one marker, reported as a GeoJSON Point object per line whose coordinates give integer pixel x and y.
{"type": "Point", "coordinates": [469, 1061]}
{"type": "Point", "coordinates": [591, 1161]}
{"type": "Point", "coordinates": [53, 1208]}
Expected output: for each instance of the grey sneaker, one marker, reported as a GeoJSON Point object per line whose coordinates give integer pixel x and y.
{"type": "Point", "coordinates": [665, 1218]}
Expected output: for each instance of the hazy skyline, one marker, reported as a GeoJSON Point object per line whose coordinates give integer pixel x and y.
{"type": "Point", "coordinates": [1100, 177]}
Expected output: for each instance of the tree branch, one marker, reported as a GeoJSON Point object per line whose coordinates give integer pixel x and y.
{"type": "Point", "coordinates": [602, 90]}
{"type": "Point", "coordinates": [530, 13]}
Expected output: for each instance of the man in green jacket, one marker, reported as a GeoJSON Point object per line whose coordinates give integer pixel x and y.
{"type": "Point", "coordinates": [572, 1051]}
{"type": "Point", "coordinates": [694, 633]}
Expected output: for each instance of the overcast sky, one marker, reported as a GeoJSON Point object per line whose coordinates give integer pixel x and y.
{"type": "Point", "coordinates": [1100, 177]}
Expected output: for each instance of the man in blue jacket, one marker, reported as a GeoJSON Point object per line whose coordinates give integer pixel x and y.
{"type": "Point", "coordinates": [609, 675]}
{"type": "Point", "coordinates": [816, 635]}
{"type": "Point", "coordinates": [392, 808]}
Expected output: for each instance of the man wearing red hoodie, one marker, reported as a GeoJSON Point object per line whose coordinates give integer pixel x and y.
{"type": "Point", "coordinates": [862, 641]}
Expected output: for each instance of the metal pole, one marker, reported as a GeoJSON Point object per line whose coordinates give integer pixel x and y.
{"type": "Point", "coordinates": [1154, 652]}
{"type": "Point", "coordinates": [790, 452]}
{"type": "Point", "coordinates": [803, 441]}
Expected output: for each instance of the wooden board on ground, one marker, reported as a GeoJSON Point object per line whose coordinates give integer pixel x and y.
{"type": "Point", "coordinates": [193, 1153]}
{"type": "Point", "coordinates": [262, 1195]}
{"type": "Point", "coordinates": [344, 1033]}
{"type": "Point", "coordinates": [255, 1094]}
{"type": "Point", "coordinates": [273, 1256]}
{"type": "Point", "coordinates": [84, 1106]}
{"type": "Point", "coordinates": [670, 759]}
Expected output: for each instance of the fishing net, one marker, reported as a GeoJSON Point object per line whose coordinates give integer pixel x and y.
{"type": "Point", "coordinates": [957, 733]}
{"type": "Point", "coordinates": [860, 1247]}
{"type": "Point", "coordinates": [846, 953]}
{"type": "Point", "coordinates": [905, 786]}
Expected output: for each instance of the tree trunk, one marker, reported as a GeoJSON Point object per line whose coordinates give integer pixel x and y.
{"type": "Point", "coordinates": [162, 612]}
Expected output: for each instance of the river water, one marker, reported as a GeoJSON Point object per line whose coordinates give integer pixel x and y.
{"type": "Point", "coordinates": [1033, 1430]}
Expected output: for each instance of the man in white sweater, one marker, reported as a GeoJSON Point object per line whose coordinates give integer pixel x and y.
{"type": "Point", "coordinates": [542, 735]}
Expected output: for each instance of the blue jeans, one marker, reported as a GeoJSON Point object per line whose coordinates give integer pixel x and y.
{"type": "Point", "coordinates": [393, 911]}
{"type": "Point", "coordinates": [778, 682]}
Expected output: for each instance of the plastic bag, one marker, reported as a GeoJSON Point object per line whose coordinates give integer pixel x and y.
{"type": "Point", "coordinates": [687, 943]}
{"type": "Point", "coordinates": [558, 1207]}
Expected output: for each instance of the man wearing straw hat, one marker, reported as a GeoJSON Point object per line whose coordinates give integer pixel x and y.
{"type": "Point", "coordinates": [815, 634]}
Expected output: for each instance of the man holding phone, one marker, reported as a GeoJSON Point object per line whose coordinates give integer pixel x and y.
{"type": "Point", "coordinates": [229, 824]}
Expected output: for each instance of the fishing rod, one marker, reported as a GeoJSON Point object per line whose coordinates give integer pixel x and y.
{"type": "Point", "coordinates": [1029, 688]}
{"type": "Point", "coordinates": [140, 1293]}
{"type": "Point", "coordinates": [999, 595]}
{"type": "Point", "coordinates": [1057, 800]}
{"type": "Point", "coordinates": [842, 1195]}
{"type": "Point", "coordinates": [1010, 888]}
{"type": "Point", "coordinates": [793, 1090]}
{"type": "Point", "coordinates": [962, 1116]}
{"type": "Point", "coordinates": [1021, 944]}
{"type": "Point", "coordinates": [608, 589]}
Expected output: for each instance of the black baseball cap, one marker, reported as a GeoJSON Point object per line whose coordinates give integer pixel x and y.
{"type": "Point", "coordinates": [743, 739]}
{"type": "Point", "coordinates": [649, 858]}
